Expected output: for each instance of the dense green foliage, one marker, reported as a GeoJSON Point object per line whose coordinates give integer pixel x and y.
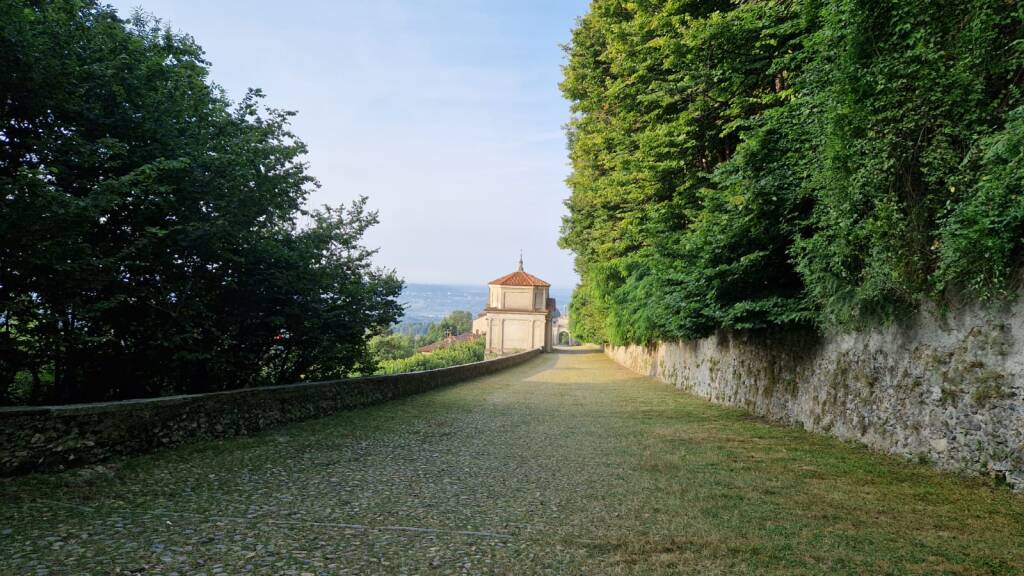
{"type": "Point", "coordinates": [752, 164]}
{"type": "Point", "coordinates": [455, 323]}
{"type": "Point", "coordinates": [456, 354]}
{"type": "Point", "coordinates": [395, 345]}
{"type": "Point", "coordinates": [392, 346]}
{"type": "Point", "coordinates": [150, 237]}
{"type": "Point", "coordinates": [394, 353]}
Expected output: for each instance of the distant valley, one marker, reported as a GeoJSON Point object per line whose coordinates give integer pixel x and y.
{"type": "Point", "coordinates": [426, 303]}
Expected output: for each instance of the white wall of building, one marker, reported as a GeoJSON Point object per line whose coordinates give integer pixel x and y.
{"type": "Point", "coordinates": [516, 319]}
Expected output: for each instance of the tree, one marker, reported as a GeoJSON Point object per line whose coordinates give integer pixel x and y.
{"type": "Point", "coordinates": [749, 165]}
{"type": "Point", "coordinates": [662, 94]}
{"type": "Point", "coordinates": [392, 346]}
{"type": "Point", "coordinates": [149, 228]}
{"type": "Point", "coordinates": [455, 323]}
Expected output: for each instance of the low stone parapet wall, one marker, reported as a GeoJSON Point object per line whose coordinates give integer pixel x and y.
{"type": "Point", "coordinates": [52, 437]}
{"type": "Point", "coordinates": [947, 388]}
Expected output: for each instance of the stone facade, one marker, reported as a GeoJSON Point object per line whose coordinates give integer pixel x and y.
{"type": "Point", "coordinates": [947, 388]}
{"type": "Point", "coordinates": [480, 324]}
{"type": "Point", "coordinates": [560, 329]}
{"type": "Point", "coordinates": [509, 332]}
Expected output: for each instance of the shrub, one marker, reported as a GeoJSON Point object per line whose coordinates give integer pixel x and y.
{"type": "Point", "coordinates": [456, 354]}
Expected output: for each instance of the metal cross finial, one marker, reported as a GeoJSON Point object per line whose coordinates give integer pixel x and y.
{"type": "Point", "coordinates": [520, 259]}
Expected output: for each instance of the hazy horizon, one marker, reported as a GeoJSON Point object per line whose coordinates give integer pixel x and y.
{"type": "Point", "coordinates": [554, 287]}
{"type": "Point", "coordinates": [447, 116]}
{"type": "Point", "coordinates": [424, 302]}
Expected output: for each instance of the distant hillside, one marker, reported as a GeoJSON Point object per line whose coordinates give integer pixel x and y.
{"type": "Point", "coordinates": [426, 303]}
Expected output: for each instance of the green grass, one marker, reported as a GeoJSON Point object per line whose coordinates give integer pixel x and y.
{"type": "Point", "coordinates": [568, 464]}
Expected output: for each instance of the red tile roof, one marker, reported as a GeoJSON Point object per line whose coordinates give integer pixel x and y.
{"type": "Point", "coordinates": [448, 341]}
{"type": "Point", "coordinates": [518, 278]}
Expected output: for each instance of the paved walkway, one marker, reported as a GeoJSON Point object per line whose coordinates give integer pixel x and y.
{"type": "Point", "coordinates": [568, 464]}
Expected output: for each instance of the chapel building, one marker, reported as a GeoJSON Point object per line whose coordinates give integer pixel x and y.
{"type": "Point", "coordinates": [518, 314]}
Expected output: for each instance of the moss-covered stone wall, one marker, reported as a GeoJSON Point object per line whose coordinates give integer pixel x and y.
{"type": "Point", "coordinates": [945, 387]}
{"type": "Point", "coordinates": [54, 437]}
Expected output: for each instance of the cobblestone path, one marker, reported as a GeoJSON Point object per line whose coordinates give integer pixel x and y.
{"type": "Point", "coordinates": [568, 464]}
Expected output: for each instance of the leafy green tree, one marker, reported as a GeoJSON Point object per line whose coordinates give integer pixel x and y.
{"type": "Point", "coordinates": [982, 237]}
{"type": "Point", "coordinates": [149, 228]}
{"type": "Point", "coordinates": [753, 164]}
{"type": "Point", "coordinates": [587, 315]}
{"type": "Point", "coordinates": [392, 347]}
{"type": "Point", "coordinates": [455, 323]}
{"type": "Point", "coordinates": [909, 95]}
{"type": "Point", "coordinates": [661, 94]}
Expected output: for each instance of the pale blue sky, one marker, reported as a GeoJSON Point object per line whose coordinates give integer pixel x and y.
{"type": "Point", "coordinates": [445, 113]}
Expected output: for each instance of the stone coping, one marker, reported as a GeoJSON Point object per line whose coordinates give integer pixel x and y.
{"type": "Point", "coordinates": [34, 438]}
{"type": "Point", "coordinates": [90, 407]}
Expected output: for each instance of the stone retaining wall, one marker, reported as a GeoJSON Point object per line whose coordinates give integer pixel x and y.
{"type": "Point", "coordinates": [943, 387]}
{"type": "Point", "coordinates": [54, 437]}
